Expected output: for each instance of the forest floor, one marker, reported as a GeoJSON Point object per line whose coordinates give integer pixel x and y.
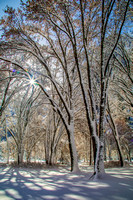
{"type": "Point", "coordinates": [60, 184]}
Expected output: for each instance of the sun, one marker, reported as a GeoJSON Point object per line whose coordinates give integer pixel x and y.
{"type": "Point", "coordinates": [32, 81]}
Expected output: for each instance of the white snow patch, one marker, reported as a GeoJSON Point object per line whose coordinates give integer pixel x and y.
{"type": "Point", "coordinates": [58, 183]}
{"type": "Point", "coordinates": [13, 180]}
{"type": "Point", "coordinates": [32, 186]}
{"type": "Point", "coordinates": [49, 197]}
{"type": "Point", "coordinates": [3, 180]}
{"type": "Point", "coordinates": [14, 193]}
{"type": "Point", "coordinates": [74, 196]}
{"type": "Point", "coordinates": [49, 187]}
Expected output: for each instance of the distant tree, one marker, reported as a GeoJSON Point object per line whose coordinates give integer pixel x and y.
{"type": "Point", "coordinates": [18, 120]}
{"type": "Point", "coordinates": [123, 78]}
{"type": "Point", "coordinates": [8, 88]}
{"type": "Point", "coordinates": [115, 133]}
{"type": "Point", "coordinates": [35, 136]}
{"type": "Point", "coordinates": [121, 99]}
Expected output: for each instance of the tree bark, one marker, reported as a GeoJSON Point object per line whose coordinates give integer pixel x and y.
{"type": "Point", "coordinates": [90, 151]}
{"type": "Point", "coordinates": [7, 145]}
{"type": "Point", "coordinates": [116, 136]}
{"type": "Point", "coordinates": [19, 154]}
{"type": "Point", "coordinates": [121, 157]}
{"type": "Point", "coordinates": [72, 147]}
{"type": "Point", "coordinates": [99, 171]}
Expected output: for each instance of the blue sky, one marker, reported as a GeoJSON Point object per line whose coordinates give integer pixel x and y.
{"type": "Point", "coordinates": [16, 3]}
{"type": "Point", "coordinates": [4, 3]}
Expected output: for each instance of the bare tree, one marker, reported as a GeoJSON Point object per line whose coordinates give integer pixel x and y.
{"type": "Point", "coordinates": [115, 134]}
{"type": "Point", "coordinates": [8, 88]}
{"type": "Point", "coordinates": [20, 120]}
{"type": "Point", "coordinates": [29, 46]}
{"type": "Point", "coordinates": [82, 37]}
{"type": "Point", "coordinates": [124, 70]}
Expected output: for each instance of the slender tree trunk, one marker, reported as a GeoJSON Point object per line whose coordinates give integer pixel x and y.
{"type": "Point", "coordinates": [121, 157]}
{"type": "Point", "coordinates": [73, 153]}
{"type": "Point", "coordinates": [52, 157]}
{"type": "Point", "coordinates": [7, 147]}
{"type": "Point", "coordinates": [28, 157]}
{"type": "Point", "coordinates": [86, 149]}
{"type": "Point", "coordinates": [108, 149]}
{"type": "Point", "coordinates": [19, 158]}
{"type": "Point", "coordinates": [105, 150]}
{"type": "Point", "coordinates": [47, 147]}
{"type": "Point", "coordinates": [72, 147]}
{"type": "Point", "coordinates": [19, 155]}
{"type": "Point", "coordinates": [7, 142]}
{"type": "Point", "coordinates": [90, 151]}
{"type": "Point", "coordinates": [110, 157]}
{"type": "Point", "coordinates": [116, 136]}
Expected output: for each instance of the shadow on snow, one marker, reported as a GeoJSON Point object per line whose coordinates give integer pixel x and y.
{"type": "Point", "coordinates": [33, 184]}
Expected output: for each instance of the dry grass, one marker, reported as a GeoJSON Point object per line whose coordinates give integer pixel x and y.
{"type": "Point", "coordinates": [111, 164]}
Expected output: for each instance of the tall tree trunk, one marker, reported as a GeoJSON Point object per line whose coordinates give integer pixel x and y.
{"type": "Point", "coordinates": [7, 147]}
{"type": "Point", "coordinates": [90, 151]}
{"type": "Point", "coordinates": [121, 157]}
{"type": "Point", "coordinates": [100, 165]}
{"type": "Point", "coordinates": [86, 149]}
{"type": "Point", "coordinates": [52, 157]}
{"type": "Point", "coordinates": [116, 136]}
{"type": "Point", "coordinates": [72, 147]}
{"type": "Point", "coordinates": [99, 159]}
{"type": "Point", "coordinates": [19, 155]}
{"type": "Point", "coordinates": [105, 150]}
{"type": "Point", "coordinates": [110, 157]}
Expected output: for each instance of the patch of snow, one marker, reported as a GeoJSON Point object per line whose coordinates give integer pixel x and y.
{"type": "Point", "coordinates": [14, 193]}
{"type": "Point", "coordinates": [57, 184]}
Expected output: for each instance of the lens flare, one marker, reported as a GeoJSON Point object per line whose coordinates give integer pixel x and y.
{"type": "Point", "coordinates": [32, 81]}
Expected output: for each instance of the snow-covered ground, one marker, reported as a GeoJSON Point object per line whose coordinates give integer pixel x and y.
{"type": "Point", "coordinates": [59, 183]}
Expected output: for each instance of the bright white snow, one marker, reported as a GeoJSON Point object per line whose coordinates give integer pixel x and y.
{"type": "Point", "coordinates": [59, 183]}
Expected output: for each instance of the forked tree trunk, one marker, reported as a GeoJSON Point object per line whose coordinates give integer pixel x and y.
{"type": "Point", "coordinates": [98, 159]}
{"type": "Point", "coordinates": [98, 143]}
{"type": "Point", "coordinates": [49, 153]}
{"type": "Point", "coordinates": [52, 156]}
